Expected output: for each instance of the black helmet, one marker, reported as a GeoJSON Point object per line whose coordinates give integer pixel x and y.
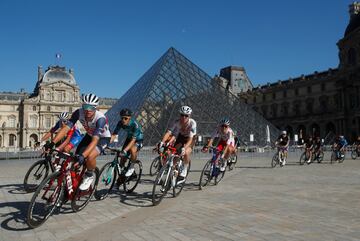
{"type": "Point", "coordinates": [125, 112]}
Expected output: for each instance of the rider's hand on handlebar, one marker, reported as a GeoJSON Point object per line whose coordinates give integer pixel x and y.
{"type": "Point", "coordinates": [205, 149]}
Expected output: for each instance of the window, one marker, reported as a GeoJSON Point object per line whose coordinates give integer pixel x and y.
{"type": "Point", "coordinates": [323, 86]}
{"type": "Point", "coordinates": [12, 121]}
{"type": "Point", "coordinates": [264, 97]}
{"type": "Point", "coordinates": [309, 90]}
{"type": "Point", "coordinates": [296, 92]}
{"type": "Point", "coordinates": [47, 122]}
{"type": "Point", "coordinates": [48, 108]}
{"type": "Point", "coordinates": [34, 108]}
{"type": "Point", "coordinates": [352, 56]}
{"type": "Point", "coordinates": [285, 94]}
{"type": "Point", "coordinates": [12, 140]}
{"type": "Point", "coordinates": [33, 121]}
{"type": "Point", "coordinates": [274, 96]}
{"type": "Point", "coordinates": [254, 99]}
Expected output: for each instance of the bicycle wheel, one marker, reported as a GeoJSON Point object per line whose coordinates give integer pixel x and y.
{"type": "Point", "coordinates": [205, 176]}
{"type": "Point", "coordinates": [45, 200]}
{"type": "Point", "coordinates": [275, 160]}
{"type": "Point", "coordinates": [179, 184]}
{"type": "Point", "coordinates": [219, 177]}
{"type": "Point", "coordinates": [132, 181]}
{"type": "Point", "coordinates": [342, 157]}
{"type": "Point", "coordinates": [232, 162]}
{"type": "Point", "coordinates": [82, 197]}
{"type": "Point", "coordinates": [302, 158]}
{"type": "Point", "coordinates": [161, 185]}
{"type": "Point", "coordinates": [155, 166]}
{"type": "Point", "coordinates": [36, 174]}
{"type": "Point", "coordinates": [320, 157]}
{"type": "Point", "coordinates": [353, 154]}
{"type": "Point", "coordinates": [106, 181]}
{"type": "Point", "coordinates": [333, 157]}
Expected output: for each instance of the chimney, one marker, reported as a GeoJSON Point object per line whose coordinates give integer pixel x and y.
{"type": "Point", "coordinates": [40, 72]}
{"type": "Point", "coordinates": [354, 9]}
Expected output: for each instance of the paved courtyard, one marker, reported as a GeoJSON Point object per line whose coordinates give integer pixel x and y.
{"type": "Point", "coordinates": [253, 202]}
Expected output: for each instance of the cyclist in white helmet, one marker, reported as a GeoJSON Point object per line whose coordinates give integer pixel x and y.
{"type": "Point", "coordinates": [97, 136]}
{"type": "Point", "coordinates": [282, 143]}
{"type": "Point", "coordinates": [184, 129]}
{"type": "Point", "coordinates": [226, 141]}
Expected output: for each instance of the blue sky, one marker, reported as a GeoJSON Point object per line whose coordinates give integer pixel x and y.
{"type": "Point", "coordinates": [110, 44]}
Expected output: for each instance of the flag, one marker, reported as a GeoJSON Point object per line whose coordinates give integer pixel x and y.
{"type": "Point", "coordinates": [58, 55]}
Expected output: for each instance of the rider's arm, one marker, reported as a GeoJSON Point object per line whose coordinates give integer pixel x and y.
{"type": "Point", "coordinates": [50, 132]}
{"type": "Point", "coordinates": [166, 136]}
{"type": "Point", "coordinates": [67, 140]}
{"type": "Point", "coordinates": [130, 144]}
{"type": "Point", "coordinates": [100, 128]}
{"type": "Point", "coordinates": [115, 132]}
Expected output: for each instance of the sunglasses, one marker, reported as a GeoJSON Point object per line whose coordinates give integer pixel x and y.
{"type": "Point", "coordinates": [224, 126]}
{"type": "Point", "coordinates": [182, 115]}
{"type": "Point", "coordinates": [125, 117]}
{"type": "Point", "coordinates": [88, 107]}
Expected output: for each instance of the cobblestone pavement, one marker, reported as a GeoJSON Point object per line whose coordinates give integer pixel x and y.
{"type": "Point", "coordinates": [253, 202]}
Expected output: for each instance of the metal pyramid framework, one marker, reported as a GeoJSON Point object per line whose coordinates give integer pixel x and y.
{"type": "Point", "coordinates": [174, 81]}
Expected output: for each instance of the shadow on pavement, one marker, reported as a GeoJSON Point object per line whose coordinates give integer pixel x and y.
{"type": "Point", "coordinates": [16, 217]}
{"type": "Point", "coordinates": [137, 199]}
{"type": "Point", "coordinates": [14, 188]}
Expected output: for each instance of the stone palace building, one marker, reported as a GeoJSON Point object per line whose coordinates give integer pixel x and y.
{"type": "Point", "coordinates": [323, 103]}
{"type": "Point", "coordinates": [25, 117]}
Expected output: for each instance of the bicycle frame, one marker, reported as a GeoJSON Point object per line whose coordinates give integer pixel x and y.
{"type": "Point", "coordinates": [170, 157]}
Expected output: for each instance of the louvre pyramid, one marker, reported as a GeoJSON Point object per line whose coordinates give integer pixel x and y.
{"type": "Point", "coordinates": [174, 81]}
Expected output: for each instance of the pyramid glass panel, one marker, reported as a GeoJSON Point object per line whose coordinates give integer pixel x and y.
{"type": "Point", "coordinates": [174, 81]}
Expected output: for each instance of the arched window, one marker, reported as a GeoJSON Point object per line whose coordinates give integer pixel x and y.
{"type": "Point", "coordinates": [34, 108]}
{"type": "Point", "coordinates": [48, 108]}
{"type": "Point", "coordinates": [33, 121]}
{"type": "Point", "coordinates": [12, 140]}
{"type": "Point", "coordinates": [33, 140]}
{"type": "Point", "coordinates": [352, 56]}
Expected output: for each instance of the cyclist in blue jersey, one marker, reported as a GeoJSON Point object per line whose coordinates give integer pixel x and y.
{"type": "Point", "coordinates": [339, 145]}
{"type": "Point", "coordinates": [134, 138]}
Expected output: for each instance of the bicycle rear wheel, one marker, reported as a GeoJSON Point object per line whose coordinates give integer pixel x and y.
{"type": "Point", "coordinates": [302, 159]}
{"type": "Point", "coordinates": [155, 166]}
{"type": "Point", "coordinates": [353, 154]}
{"type": "Point", "coordinates": [83, 197]}
{"type": "Point", "coordinates": [45, 200]}
{"type": "Point", "coordinates": [35, 175]}
{"type": "Point", "coordinates": [205, 176]}
{"type": "Point", "coordinates": [232, 162]}
{"type": "Point", "coordinates": [106, 181]}
{"type": "Point", "coordinates": [161, 185]}
{"type": "Point", "coordinates": [132, 181]}
{"type": "Point", "coordinates": [342, 157]}
{"type": "Point", "coordinates": [320, 157]}
{"type": "Point", "coordinates": [333, 157]}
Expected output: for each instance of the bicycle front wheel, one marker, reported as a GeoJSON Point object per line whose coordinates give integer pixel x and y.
{"type": "Point", "coordinates": [232, 162]}
{"type": "Point", "coordinates": [132, 181]}
{"type": "Point", "coordinates": [83, 197]}
{"type": "Point", "coordinates": [275, 160]}
{"type": "Point", "coordinates": [161, 185]}
{"type": "Point", "coordinates": [320, 157]}
{"type": "Point", "coordinates": [205, 176]}
{"type": "Point", "coordinates": [106, 181]}
{"type": "Point", "coordinates": [35, 175]}
{"type": "Point", "coordinates": [219, 177]}
{"type": "Point", "coordinates": [45, 200]}
{"type": "Point", "coordinates": [302, 159]}
{"type": "Point", "coordinates": [155, 166]}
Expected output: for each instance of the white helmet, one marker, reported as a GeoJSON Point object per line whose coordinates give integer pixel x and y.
{"type": "Point", "coordinates": [90, 99]}
{"type": "Point", "coordinates": [185, 110]}
{"type": "Point", "coordinates": [63, 116]}
{"type": "Point", "coordinates": [283, 133]}
{"type": "Point", "coordinates": [224, 121]}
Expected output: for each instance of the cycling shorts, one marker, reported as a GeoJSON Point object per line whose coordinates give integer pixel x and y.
{"type": "Point", "coordinates": [221, 145]}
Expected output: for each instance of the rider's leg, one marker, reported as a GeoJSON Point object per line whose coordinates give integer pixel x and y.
{"type": "Point", "coordinates": [89, 175]}
{"type": "Point", "coordinates": [133, 157]}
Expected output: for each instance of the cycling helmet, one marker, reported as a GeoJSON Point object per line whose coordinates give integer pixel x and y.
{"type": "Point", "coordinates": [283, 133]}
{"type": "Point", "coordinates": [185, 110]}
{"type": "Point", "coordinates": [225, 121]}
{"type": "Point", "coordinates": [90, 99]}
{"type": "Point", "coordinates": [125, 112]}
{"type": "Point", "coordinates": [63, 116]}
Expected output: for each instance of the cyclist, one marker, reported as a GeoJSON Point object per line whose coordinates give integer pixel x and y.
{"type": "Point", "coordinates": [282, 143]}
{"type": "Point", "coordinates": [63, 117]}
{"type": "Point", "coordinates": [309, 148]}
{"type": "Point", "coordinates": [356, 145]}
{"type": "Point", "coordinates": [134, 139]}
{"type": "Point", "coordinates": [339, 146]}
{"type": "Point", "coordinates": [226, 142]}
{"type": "Point", "coordinates": [97, 136]}
{"type": "Point", "coordinates": [184, 129]}
{"type": "Point", "coordinates": [317, 146]}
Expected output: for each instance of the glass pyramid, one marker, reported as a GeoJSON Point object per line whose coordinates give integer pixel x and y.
{"type": "Point", "coordinates": [174, 81]}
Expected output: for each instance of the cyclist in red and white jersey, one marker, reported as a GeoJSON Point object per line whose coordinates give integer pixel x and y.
{"type": "Point", "coordinates": [226, 140]}
{"type": "Point", "coordinates": [97, 136]}
{"type": "Point", "coordinates": [184, 129]}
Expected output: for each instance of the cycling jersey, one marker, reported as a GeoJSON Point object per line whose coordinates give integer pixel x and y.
{"type": "Point", "coordinates": [343, 142]}
{"type": "Point", "coordinates": [226, 137]}
{"type": "Point", "coordinates": [188, 130]}
{"type": "Point", "coordinates": [133, 130]}
{"type": "Point", "coordinates": [283, 141]}
{"type": "Point", "coordinates": [74, 132]}
{"type": "Point", "coordinates": [309, 143]}
{"type": "Point", "coordinates": [98, 126]}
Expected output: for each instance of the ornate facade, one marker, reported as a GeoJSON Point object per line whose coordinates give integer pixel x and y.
{"type": "Point", "coordinates": [323, 103]}
{"type": "Point", "coordinates": [26, 117]}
